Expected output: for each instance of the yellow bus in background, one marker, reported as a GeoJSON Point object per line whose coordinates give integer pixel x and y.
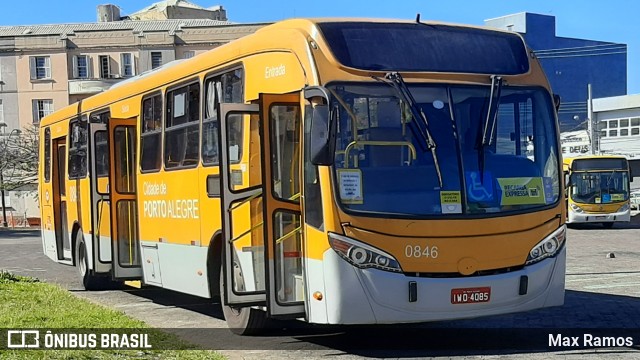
{"type": "Point", "coordinates": [342, 171]}
{"type": "Point", "coordinates": [598, 189]}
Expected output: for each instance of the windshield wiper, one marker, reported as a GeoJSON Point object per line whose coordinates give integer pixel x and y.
{"type": "Point", "coordinates": [492, 113]}
{"type": "Point", "coordinates": [489, 124]}
{"type": "Point", "coordinates": [396, 81]}
{"type": "Point", "coordinates": [613, 172]}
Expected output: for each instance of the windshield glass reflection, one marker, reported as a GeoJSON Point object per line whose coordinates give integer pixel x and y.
{"type": "Point", "coordinates": [382, 165]}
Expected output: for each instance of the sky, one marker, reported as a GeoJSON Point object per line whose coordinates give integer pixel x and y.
{"type": "Point", "coordinates": [612, 20]}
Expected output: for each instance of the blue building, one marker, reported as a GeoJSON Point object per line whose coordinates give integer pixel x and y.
{"type": "Point", "coordinates": [571, 64]}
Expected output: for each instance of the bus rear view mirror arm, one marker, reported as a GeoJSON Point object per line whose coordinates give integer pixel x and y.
{"type": "Point", "coordinates": [322, 139]}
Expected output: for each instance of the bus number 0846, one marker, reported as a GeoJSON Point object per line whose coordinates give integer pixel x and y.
{"type": "Point", "coordinates": [417, 251]}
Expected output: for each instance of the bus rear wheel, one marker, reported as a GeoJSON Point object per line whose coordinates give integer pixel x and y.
{"type": "Point", "coordinates": [241, 321]}
{"type": "Point", "coordinates": [89, 280]}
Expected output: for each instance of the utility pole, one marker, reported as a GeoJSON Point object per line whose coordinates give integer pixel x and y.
{"type": "Point", "coordinates": [591, 123]}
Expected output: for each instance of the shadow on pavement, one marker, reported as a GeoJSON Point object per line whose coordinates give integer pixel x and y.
{"type": "Point", "coordinates": [599, 315]}
{"type": "Point", "coordinates": [633, 224]}
{"type": "Point", "coordinates": [10, 233]}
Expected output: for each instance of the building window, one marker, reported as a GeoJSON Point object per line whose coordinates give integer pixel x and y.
{"type": "Point", "coordinates": [603, 133]}
{"type": "Point", "coordinates": [613, 124]}
{"type": "Point", "coordinates": [156, 59]}
{"type": "Point", "coordinates": [188, 54]}
{"type": "Point", "coordinates": [624, 132]}
{"type": "Point", "coordinates": [81, 67]}
{"type": "Point", "coordinates": [41, 108]}
{"type": "Point", "coordinates": [182, 127]}
{"type": "Point", "coordinates": [151, 131]}
{"type": "Point", "coordinates": [624, 122]}
{"type": "Point", "coordinates": [613, 132]}
{"type": "Point", "coordinates": [128, 68]}
{"type": "Point", "coordinates": [40, 67]}
{"type": "Point", "coordinates": [635, 121]}
{"type": "Point", "coordinates": [105, 66]}
{"type": "Point", "coordinates": [635, 131]}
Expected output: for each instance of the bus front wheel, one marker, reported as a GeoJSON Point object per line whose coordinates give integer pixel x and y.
{"type": "Point", "coordinates": [241, 320]}
{"type": "Point", "coordinates": [89, 280]}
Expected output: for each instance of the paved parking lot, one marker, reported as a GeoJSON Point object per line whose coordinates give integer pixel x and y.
{"type": "Point", "coordinates": [603, 294]}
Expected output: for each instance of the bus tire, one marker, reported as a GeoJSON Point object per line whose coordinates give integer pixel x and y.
{"type": "Point", "coordinates": [89, 280]}
{"type": "Point", "coordinates": [241, 321]}
{"type": "Point", "coordinates": [608, 225]}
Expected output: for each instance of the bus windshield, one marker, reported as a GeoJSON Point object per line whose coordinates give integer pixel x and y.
{"type": "Point", "coordinates": [600, 187]}
{"type": "Point", "coordinates": [383, 166]}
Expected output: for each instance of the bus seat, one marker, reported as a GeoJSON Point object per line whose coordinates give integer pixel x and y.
{"type": "Point", "coordinates": [389, 129]}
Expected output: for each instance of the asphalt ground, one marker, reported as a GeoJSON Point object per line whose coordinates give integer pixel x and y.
{"type": "Point", "coordinates": [602, 299]}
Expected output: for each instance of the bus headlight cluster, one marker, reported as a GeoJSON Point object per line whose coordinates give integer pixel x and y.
{"type": "Point", "coordinates": [576, 208]}
{"type": "Point", "coordinates": [361, 255]}
{"type": "Point", "coordinates": [548, 247]}
{"type": "Point", "coordinates": [624, 208]}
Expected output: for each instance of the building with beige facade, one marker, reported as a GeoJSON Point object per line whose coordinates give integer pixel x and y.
{"type": "Point", "coordinates": [46, 67]}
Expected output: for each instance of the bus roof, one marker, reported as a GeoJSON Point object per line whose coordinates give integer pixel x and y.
{"type": "Point", "coordinates": [172, 72]}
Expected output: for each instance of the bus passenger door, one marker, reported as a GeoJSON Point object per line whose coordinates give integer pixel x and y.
{"type": "Point", "coordinates": [59, 176]}
{"type": "Point", "coordinates": [261, 223]}
{"type": "Point", "coordinates": [100, 209]}
{"type": "Point", "coordinates": [125, 245]}
{"type": "Point", "coordinates": [241, 205]}
{"type": "Point", "coordinates": [281, 154]}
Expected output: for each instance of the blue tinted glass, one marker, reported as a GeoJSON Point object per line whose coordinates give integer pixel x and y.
{"type": "Point", "coordinates": [421, 47]}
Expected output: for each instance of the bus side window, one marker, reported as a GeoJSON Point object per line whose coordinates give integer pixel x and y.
{"type": "Point", "coordinates": [226, 88]}
{"type": "Point", "coordinates": [150, 134]}
{"type": "Point", "coordinates": [47, 155]}
{"type": "Point", "coordinates": [182, 127]}
{"type": "Point", "coordinates": [78, 149]}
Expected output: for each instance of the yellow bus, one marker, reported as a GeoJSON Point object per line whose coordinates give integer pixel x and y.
{"type": "Point", "coordinates": [598, 189]}
{"type": "Point", "coordinates": [342, 171]}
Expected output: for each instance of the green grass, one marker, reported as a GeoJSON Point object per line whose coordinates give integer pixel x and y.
{"type": "Point", "coordinates": [26, 303]}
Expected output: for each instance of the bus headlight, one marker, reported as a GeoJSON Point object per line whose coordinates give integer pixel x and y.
{"type": "Point", "coordinates": [361, 255]}
{"type": "Point", "coordinates": [624, 208]}
{"type": "Point", "coordinates": [576, 208]}
{"type": "Point", "coordinates": [547, 247]}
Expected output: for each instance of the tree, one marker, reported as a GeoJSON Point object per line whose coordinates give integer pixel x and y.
{"type": "Point", "coordinates": [19, 159]}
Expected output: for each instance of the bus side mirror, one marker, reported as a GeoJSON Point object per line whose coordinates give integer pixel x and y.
{"type": "Point", "coordinates": [322, 137]}
{"type": "Point", "coordinates": [567, 179]}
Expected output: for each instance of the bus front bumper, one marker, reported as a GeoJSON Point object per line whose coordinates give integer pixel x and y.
{"type": "Point", "coordinates": [372, 296]}
{"type": "Point", "coordinates": [579, 218]}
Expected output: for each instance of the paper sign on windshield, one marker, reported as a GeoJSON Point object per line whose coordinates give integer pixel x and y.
{"type": "Point", "coordinates": [617, 197]}
{"type": "Point", "coordinates": [350, 186]}
{"type": "Point", "coordinates": [521, 191]}
{"type": "Point", "coordinates": [450, 202]}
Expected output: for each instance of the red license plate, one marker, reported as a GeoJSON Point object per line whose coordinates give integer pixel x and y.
{"type": "Point", "coordinates": [470, 295]}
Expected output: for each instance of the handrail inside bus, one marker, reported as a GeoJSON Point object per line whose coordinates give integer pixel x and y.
{"type": "Point", "coordinates": [378, 143]}
{"type": "Point", "coordinates": [237, 205]}
{"type": "Point", "coordinates": [246, 232]}
{"type": "Point", "coordinates": [288, 235]}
